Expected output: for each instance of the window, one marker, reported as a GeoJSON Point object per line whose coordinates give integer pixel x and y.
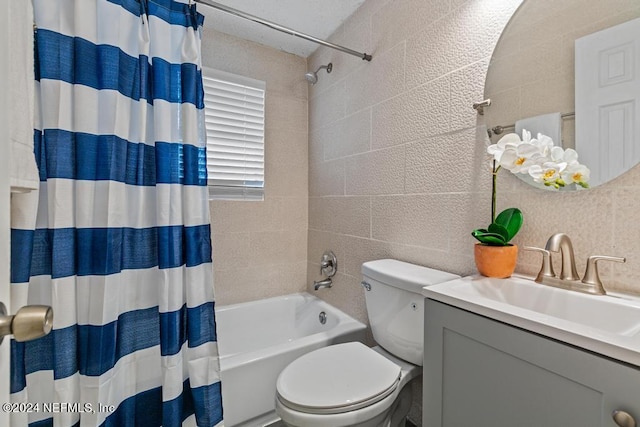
{"type": "Point", "coordinates": [234, 119]}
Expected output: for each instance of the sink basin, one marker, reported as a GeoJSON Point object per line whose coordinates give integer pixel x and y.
{"type": "Point", "coordinates": [608, 314]}
{"type": "Point", "coordinates": [609, 325]}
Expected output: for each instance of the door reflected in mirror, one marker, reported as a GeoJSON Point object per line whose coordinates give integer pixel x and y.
{"type": "Point", "coordinates": [533, 72]}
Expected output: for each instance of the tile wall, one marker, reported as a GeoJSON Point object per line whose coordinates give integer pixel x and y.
{"type": "Point", "coordinates": [397, 163]}
{"type": "Point", "coordinates": [260, 247]}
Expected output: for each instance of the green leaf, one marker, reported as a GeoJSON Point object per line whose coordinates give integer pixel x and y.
{"type": "Point", "coordinates": [511, 219]}
{"type": "Point", "coordinates": [493, 239]}
{"type": "Point", "coordinates": [499, 229]}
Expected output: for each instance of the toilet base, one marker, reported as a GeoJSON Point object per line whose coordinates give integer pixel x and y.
{"type": "Point", "coordinates": [388, 412]}
{"type": "Point", "coordinates": [372, 416]}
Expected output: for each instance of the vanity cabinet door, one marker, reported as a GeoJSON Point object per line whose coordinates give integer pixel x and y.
{"type": "Point", "coordinates": [483, 373]}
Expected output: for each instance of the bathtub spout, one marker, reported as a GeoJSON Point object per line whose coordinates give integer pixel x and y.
{"type": "Point", "coordinates": [326, 283]}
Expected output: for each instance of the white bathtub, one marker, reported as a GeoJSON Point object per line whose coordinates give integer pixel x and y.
{"type": "Point", "coordinates": [258, 339]}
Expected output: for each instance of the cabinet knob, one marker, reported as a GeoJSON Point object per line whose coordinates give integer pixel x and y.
{"type": "Point", "coordinates": [623, 419]}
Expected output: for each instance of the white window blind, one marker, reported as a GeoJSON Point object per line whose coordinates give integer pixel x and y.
{"type": "Point", "coordinates": [234, 119]}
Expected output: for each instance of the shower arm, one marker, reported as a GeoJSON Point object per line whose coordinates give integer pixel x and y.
{"type": "Point", "coordinates": [328, 67]}
{"type": "Point", "coordinates": [283, 29]}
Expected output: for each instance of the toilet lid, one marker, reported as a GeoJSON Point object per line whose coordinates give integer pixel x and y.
{"type": "Point", "coordinates": [336, 379]}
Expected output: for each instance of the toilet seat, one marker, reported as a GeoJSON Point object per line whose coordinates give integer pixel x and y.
{"type": "Point", "coordinates": [337, 379]}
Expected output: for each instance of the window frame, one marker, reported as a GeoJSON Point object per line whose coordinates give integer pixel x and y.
{"type": "Point", "coordinates": [224, 135]}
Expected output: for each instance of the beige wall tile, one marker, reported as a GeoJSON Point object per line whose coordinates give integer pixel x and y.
{"type": "Point", "coordinates": [342, 215]}
{"type": "Point", "coordinates": [626, 241]}
{"type": "Point", "coordinates": [277, 247]}
{"type": "Point", "coordinates": [448, 163]}
{"type": "Point", "coordinates": [359, 250]}
{"type": "Point", "coordinates": [286, 112]}
{"type": "Point", "coordinates": [260, 247]}
{"type": "Point", "coordinates": [376, 172]}
{"type": "Point", "coordinates": [423, 111]}
{"type": "Point", "coordinates": [254, 216]}
{"type": "Point", "coordinates": [420, 220]}
{"type": "Point", "coordinates": [224, 52]}
{"type": "Point", "coordinates": [399, 19]}
{"type": "Point", "coordinates": [327, 178]}
{"type": "Point", "coordinates": [317, 139]}
{"type": "Point", "coordinates": [320, 241]}
{"type": "Point", "coordinates": [467, 35]}
{"type": "Point", "coordinates": [351, 135]}
{"type": "Point", "coordinates": [467, 87]}
{"type": "Point", "coordinates": [371, 83]}
{"type": "Point", "coordinates": [230, 250]}
{"type": "Point", "coordinates": [582, 213]}
{"type": "Point", "coordinates": [328, 106]}
{"type": "Point", "coordinates": [286, 163]}
{"type": "Point", "coordinates": [254, 283]}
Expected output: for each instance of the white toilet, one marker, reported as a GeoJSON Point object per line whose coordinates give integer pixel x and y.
{"type": "Point", "coordinates": [354, 385]}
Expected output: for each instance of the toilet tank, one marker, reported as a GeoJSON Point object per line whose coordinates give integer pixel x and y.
{"type": "Point", "coordinates": [395, 304]}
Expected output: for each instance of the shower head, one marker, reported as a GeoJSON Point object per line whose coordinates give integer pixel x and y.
{"type": "Point", "coordinates": [312, 76]}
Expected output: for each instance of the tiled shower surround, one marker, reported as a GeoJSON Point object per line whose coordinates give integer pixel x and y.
{"type": "Point", "coordinates": [260, 247]}
{"type": "Point", "coordinates": [397, 156]}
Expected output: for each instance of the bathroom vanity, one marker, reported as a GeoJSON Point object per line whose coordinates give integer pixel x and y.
{"type": "Point", "coordinates": [505, 352]}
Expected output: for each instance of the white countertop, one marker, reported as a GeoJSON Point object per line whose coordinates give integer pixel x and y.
{"type": "Point", "coordinates": [608, 325]}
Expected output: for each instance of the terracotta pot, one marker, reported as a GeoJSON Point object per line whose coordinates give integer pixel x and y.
{"type": "Point", "coordinates": [495, 261]}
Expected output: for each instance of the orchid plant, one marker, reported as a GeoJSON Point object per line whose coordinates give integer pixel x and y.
{"type": "Point", "coordinates": [539, 159]}
{"type": "Point", "coordinates": [546, 163]}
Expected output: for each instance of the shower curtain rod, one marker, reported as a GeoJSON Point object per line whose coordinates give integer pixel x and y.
{"type": "Point", "coordinates": [283, 29]}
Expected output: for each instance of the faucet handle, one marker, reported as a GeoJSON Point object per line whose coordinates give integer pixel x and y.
{"type": "Point", "coordinates": [328, 264]}
{"type": "Point", "coordinates": [547, 268]}
{"type": "Point", "coordinates": [591, 276]}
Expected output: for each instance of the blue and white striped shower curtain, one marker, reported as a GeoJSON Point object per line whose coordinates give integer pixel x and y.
{"type": "Point", "coordinates": [120, 246]}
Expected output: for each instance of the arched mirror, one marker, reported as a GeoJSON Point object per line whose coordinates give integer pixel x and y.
{"type": "Point", "coordinates": [536, 75]}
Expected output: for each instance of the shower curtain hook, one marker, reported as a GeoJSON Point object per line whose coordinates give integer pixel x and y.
{"type": "Point", "coordinates": [143, 11]}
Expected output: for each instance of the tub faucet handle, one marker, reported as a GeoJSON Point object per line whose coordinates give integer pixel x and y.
{"type": "Point", "coordinates": [328, 264]}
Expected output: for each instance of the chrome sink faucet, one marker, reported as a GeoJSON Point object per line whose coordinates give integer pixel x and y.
{"type": "Point", "coordinates": [569, 278]}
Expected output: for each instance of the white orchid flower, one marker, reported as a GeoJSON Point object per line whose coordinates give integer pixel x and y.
{"type": "Point", "coordinates": [520, 158]}
{"type": "Point", "coordinates": [570, 156]}
{"type": "Point", "coordinates": [509, 141]}
{"type": "Point", "coordinates": [557, 154]}
{"type": "Point", "coordinates": [578, 174]}
{"type": "Point", "coordinates": [545, 144]}
{"type": "Point", "coordinates": [549, 173]}
{"type": "Point", "coordinates": [526, 136]}
{"type": "Point", "coordinates": [539, 158]}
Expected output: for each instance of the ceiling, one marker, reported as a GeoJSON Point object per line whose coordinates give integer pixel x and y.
{"type": "Point", "coordinates": [317, 18]}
